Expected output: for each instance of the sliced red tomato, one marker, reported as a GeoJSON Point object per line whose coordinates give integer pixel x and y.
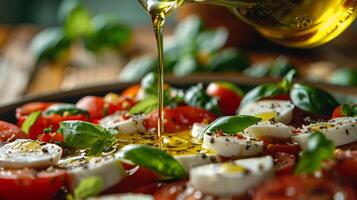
{"type": "Point", "coordinates": [55, 119]}
{"type": "Point", "coordinates": [351, 111]}
{"type": "Point", "coordinates": [180, 118]}
{"type": "Point", "coordinates": [229, 96]}
{"type": "Point", "coordinates": [98, 108]}
{"type": "Point", "coordinates": [10, 132]}
{"type": "Point", "coordinates": [94, 105]}
{"type": "Point", "coordinates": [180, 190]}
{"type": "Point", "coordinates": [51, 137]}
{"type": "Point", "coordinates": [37, 128]}
{"type": "Point", "coordinates": [31, 107]}
{"type": "Point", "coordinates": [30, 184]}
{"type": "Point", "coordinates": [284, 163]}
{"type": "Point", "coordinates": [132, 91]}
{"type": "Point", "coordinates": [171, 191]}
{"type": "Point", "coordinates": [273, 147]}
{"type": "Point", "coordinates": [298, 187]}
{"type": "Point", "coordinates": [346, 165]}
{"type": "Point", "coordinates": [138, 177]}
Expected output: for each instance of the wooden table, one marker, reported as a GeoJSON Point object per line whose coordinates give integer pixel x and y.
{"type": "Point", "coordinates": [50, 77]}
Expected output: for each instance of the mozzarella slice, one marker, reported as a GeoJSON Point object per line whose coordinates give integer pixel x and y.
{"type": "Point", "coordinates": [269, 129]}
{"type": "Point", "coordinates": [81, 167]}
{"type": "Point", "coordinates": [232, 146]}
{"type": "Point", "coordinates": [124, 123]}
{"type": "Point", "coordinates": [232, 178]}
{"type": "Point", "coordinates": [197, 129]}
{"type": "Point", "coordinates": [195, 160]}
{"type": "Point", "coordinates": [29, 153]}
{"type": "Point", "coordinates": [340, 130]}
{"type": "Point", "coordinates": [279, 110]}
{"type": "Point", "coordinates": [124, 197]}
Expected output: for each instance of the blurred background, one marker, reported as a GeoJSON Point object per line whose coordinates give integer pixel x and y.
{"type": "Point", "coordinates": [47, 46]}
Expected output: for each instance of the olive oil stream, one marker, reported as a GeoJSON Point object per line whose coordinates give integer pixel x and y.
{"type": "Point", "coordinates": [294, 23]}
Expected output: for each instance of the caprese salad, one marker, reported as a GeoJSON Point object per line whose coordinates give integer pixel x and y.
{"type": "Point", "coordinates": [276, 141]}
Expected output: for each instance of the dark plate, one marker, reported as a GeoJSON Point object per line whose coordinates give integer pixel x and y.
{"type": "Point", "coordinates": [7, 112]}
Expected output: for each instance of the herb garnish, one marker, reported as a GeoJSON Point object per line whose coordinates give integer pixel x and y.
{"type": "Point", "coordinates": [319, 149]}
{"type": "Point", "coordinates": [30, 121]}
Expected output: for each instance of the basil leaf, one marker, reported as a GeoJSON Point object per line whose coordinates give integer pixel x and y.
{"type": "Point", "coordinates": [231, 124]}
{"type": "Point", "coordinates": [149, 85]}
{"type": "Point", "coordinates": [108, 33]}
{"type": "Point", "coordinates": [62, 108]}
{"type": "Point", "coordinates": [30, 121]}
{"type": "Point", "coordinates": [280, 67]}
{"type": "Point", "coordinates": [145, 106]}
{"type": "Point", "coordinates": [269, 90]}
{"type": "Point", "coordinates": [349, 110]}
{"type": "Point", "coordinates": [83, 135]}
{"type": "Point", "coordinates": [313, 100]}
{"type": "Point", "coordinates": [76, 18]}
{"type": "Point", "coordinates": [211, 41]}
{"type": "Point", "coordinates": [229, 60]}
{"type": "Point", "coordinates": [187, 30]}
{"type": "Point", "coordinates": [185, 66]}
{"type": "Point", "coordinates": [345, 76]}
{"type": "Point", "coordinates": [154, 159]}
{"type": "Point", "coordinates": [196, 96]}
{"type": "Point", "coordinates": [137, 68]}
{"type": "Point", "coordinates": [49, 44]}
{"type": "Point", "coordinates": [319, 149]}
{"type": "Point", "coordinates": [89, 187]}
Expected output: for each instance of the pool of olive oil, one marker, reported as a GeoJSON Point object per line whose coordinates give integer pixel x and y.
{"type": "Point", "coordinates": [294, 23]}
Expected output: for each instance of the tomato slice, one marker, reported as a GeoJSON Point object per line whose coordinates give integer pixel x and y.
{"type": "Point", "coordinates": [301, 117]}
{"type": "Point", "coordinates": [132, 91]}
{"type": "Point", "coordinates": [51, 137]}
{"type": "Point", "coordinates": [273, 147]}
{"type": "Point", "coordinates": [229, 96]}
{"type": "Point", "coordinates": [37, 128]}
{"type": "Point", "coordinates": [30, 184]}
{"type": "Point", "coordinates": [138, 177]}
{"type": "Point", "coordinates": [10, 132]}
{"type": "Point", "coordinates": [31, 107]}
{"type": "Point", "coordinates": [180, 118]}
{"type": "Point", "coordinates": [284, 163]}
{"type": "Point", "coordinates": [298, 187]}
{"type": "Point", "coordinates": [99, 108]}
{"type": "Point", "coordinates": [346, 165]}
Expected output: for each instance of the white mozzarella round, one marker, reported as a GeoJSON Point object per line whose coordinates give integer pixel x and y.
{"type": "Point", "coordinates": [269, 129]}
{"type": "Point", "coordinates": [279, 110]}
{"type": "Point", "coordinates": [124, 197]}
{"type": "Point", "coordinates": [231, 178]}
{"type": "Point", "coordinates": [29, 153]}
{"type": "Point", "coordinates": [197, 129]}
{"type": "Point", "coordinates": [340, 130]}
{"type": "Point", "coordinates": [194, 160]}
{"type": "Point", "coordinates": [124, 123]}
{"type": "Point", "coordinates": [81, 167]}
{"type": "Point", "coordinates": [232, 146]}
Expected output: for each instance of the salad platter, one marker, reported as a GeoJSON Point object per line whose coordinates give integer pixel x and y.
{"type": "Point", "coordinates": [226, 137]}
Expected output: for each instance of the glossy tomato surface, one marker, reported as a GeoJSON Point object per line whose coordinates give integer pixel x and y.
{"type": "Point", "coordinates": [180, 118]}
{"type": "Point", "coordinates": [10, 132]}
{"type": "Point", "coordinates": [30, 184]}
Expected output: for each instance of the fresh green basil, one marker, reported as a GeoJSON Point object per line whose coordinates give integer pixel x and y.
{"type": "Point", "coordinates": [89, 187]}
{"type": "Point", "coordinates": [62, 108]}
{"type": "Point", "coordinates": [230, 124]}
{"type": "Point", "coordinates": [154, 159]}
{"type": "Point", "coordinates": [274, 68]}
{"type": "Point", "coordinates": [349, 110]}
{"type": "Point", "coordinates": [79, 134]}
{"type": "Point", "coordinates": [313, 100]}
{"type": "Point", "coordinates": [30, 121]}
{"type": "Point", "coordinates": [146, 106]}
{"type": "Point", "coordinates": [344, 76]}
{"type": "Point", "coordinates": [49, 44]}
{"type": "Point", "coordinates": [319, 149]}
{"type": "Point", "coordinates": [269, 90]}
{"type": "Point", "coordinates": [229, 60]}
{"type": "Point", "coordinates": [197, 96]}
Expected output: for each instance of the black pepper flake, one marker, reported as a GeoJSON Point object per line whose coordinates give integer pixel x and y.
{"type": "Point", "coordinates": [211, 140]}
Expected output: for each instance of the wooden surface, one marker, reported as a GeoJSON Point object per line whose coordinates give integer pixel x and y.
{"type": "Point", "coordinates": [86, 69]}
